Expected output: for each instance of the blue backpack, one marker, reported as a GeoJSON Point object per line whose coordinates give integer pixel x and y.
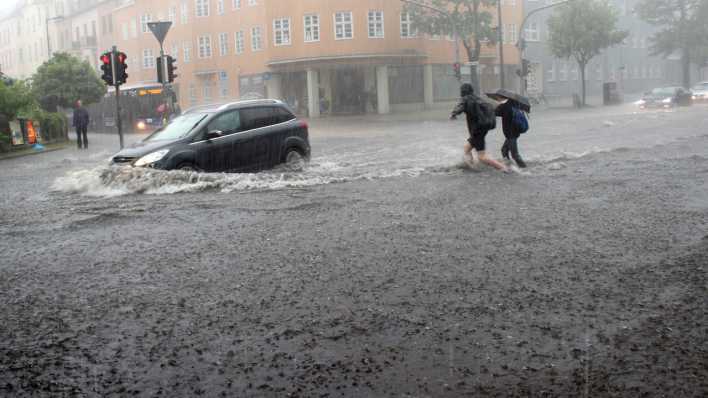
{"type": "Point", "coordinates": [519, 121]}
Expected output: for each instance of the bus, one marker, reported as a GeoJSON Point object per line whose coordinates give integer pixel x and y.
{"type": "Point", "coordinates": [143, 107]}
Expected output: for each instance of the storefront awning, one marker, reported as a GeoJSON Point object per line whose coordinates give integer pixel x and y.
{"type": "Point", "coordinates": [388, 58]}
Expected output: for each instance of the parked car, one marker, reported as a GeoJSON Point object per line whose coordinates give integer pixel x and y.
{"type": "Point", "coordinates": [666, 97]}
{"type": "Point", "coordinates": [235, 137]}
{"type": "Point", "coordinates": [700, 92]}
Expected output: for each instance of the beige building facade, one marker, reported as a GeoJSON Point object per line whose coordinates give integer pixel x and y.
{"type": "Point", "coordinates": [321, 56]}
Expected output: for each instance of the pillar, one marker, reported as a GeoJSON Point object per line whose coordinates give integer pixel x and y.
{"type": "Point", "coordinates": [382, 90]}
{"type": "Point", "coordinates": [274, 87]}
{"type": "Point", "coordinates": [313, 93]}
{"type": "Point", "coordinates": [428, 91]}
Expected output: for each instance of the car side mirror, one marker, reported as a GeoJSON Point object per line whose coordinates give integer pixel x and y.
{"type": "Point", "coordinates": [214, 134]}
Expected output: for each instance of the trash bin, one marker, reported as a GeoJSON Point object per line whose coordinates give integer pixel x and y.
{"type": "Point", "coordinates": [610, 94]}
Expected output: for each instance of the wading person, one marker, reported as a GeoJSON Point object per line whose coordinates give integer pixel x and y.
{"type": "Point", "coordinates": [81, 122]}
{"type": "Point", "coordinates": [513, 126]}
{"type": "Point", "coordinates": [480, 119]}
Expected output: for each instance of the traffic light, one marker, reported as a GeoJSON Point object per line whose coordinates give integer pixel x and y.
{"type": "Point", "coordinates": [160, 70]}
{"type": "Point", "coordinates": [171, 68]}
{"type": "Point", "coordinates": [107, 68]}
{"type": "Point", "coordinates": [458, 70]}
{"type": "Point", "coordinates": [121, 66]}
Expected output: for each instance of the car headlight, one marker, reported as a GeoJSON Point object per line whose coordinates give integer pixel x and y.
{"type": "Point", "coordinates": [141, 125]}
{"type": "Point", "coordinates": [151, 158]}
{"type": "Point", "coordinates": [667, 101]}
{"type": "Point", "coordinates": [640, 102]}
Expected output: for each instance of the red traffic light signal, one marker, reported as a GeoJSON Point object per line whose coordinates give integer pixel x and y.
{"type": "Point", "coordinates": [171, 68]}
{"type": "Point", "coordinates": [121, 67]}
{"type": "Point", "coordinates": [107, 68]}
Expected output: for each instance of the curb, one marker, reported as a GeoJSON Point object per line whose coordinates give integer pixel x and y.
{"type": "Point", "coordinates": [9, 156]}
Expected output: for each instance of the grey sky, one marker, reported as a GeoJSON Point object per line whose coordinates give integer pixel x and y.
{"type": "Point", "coordinates": [6, 6]}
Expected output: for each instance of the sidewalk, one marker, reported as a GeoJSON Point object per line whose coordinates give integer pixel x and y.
{"type": "Point", "coordinates": [31, 151]}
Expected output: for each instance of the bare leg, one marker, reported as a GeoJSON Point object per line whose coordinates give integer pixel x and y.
{"type": "Point", "coordinates": [468, 157]}
{"type": "Point", "coordinates": [487, 160]}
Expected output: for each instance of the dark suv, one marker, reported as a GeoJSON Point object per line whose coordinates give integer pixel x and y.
{"type": "Point", "coordinates": [235, 137]}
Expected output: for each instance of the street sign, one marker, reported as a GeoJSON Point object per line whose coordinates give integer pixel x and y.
{"type": "Point", "coordinates": [160, 29]}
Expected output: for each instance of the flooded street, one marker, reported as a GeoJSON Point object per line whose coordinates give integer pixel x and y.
{"type": "Point", "coordinates": [384, 268]}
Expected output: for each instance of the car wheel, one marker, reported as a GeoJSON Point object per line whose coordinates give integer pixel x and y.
{"type": "Point", "coordinates": [188, 167]}
{"type": "Point", "coordinates": [294, 159]}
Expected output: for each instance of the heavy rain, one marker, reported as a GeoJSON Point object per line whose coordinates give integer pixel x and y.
{"type": "Point", "coordinates": [353, 198]}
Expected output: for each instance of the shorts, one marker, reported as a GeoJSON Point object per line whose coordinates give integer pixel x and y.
{"type": "Point", "coordinates": [477, 140]}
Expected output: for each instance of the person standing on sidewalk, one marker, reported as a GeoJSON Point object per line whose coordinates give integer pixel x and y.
{"type": "Point", "coordinates": [478, 125]}
{"type": "Point", "coordinates": [508, 111]}
{"type": "Point", "coordinates": [81, 122]}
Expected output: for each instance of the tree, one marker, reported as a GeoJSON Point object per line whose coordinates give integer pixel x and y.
{"type": "Point", "coordinates": [683, 29]}
{"type": "Point", "coordinates": [470, 19]}
{"type": "Point", "coordinates": [64, 79]}
{"type": "Point", "coordinates": [581, 30]}
{"type": "Point", "coordinates": [15, 98]}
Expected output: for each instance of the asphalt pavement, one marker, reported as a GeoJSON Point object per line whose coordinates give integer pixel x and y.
{"type": "Point", "coordinates": [385, 268]}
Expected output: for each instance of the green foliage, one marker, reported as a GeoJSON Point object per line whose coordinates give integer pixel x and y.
{"type": "Point", "coordinates": [581, 30]}
{"type": "Point", "coordinates": [15, 98]}
{"type": "Point", "coordinates": [683, 28]}
{"type": "Point", "coordinates": [66, 79]}
{"type": "Point", "coordinates": [471, 18]}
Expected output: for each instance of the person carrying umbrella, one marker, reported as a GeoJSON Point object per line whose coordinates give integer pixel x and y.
{"type": "Point", "coordinates": [514, 122]}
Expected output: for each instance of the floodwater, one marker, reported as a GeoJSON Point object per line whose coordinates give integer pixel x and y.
{"type": "Point", "coordinates": [351, 149]}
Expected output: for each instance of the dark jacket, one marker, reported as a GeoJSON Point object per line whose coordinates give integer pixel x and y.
{"type": "Point", "coordinates": [466, 106]}
{"type": "Point", "coordinates": [81, 118]}
{"type": "Point", "coordinates": [506, 112]}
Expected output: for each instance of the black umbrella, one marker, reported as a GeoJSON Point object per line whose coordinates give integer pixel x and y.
{"type": "Point", "coordinates": [503, 94]}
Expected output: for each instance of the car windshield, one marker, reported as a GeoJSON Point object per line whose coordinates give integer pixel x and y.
{"type": "Point", "coordinates": [701, 87]}
{"type": "Point", "coordinates": [663, 92]}
{"type": "Point", "coordinates": [178, 128]}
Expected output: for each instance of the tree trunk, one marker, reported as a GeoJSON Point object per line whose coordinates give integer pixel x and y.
{"type": "Point", "coordinates": [686, 64]}
{"type": "Point", "coordinates": [473, 56]}
{"type": "Point", "coordinates": [582, 78]}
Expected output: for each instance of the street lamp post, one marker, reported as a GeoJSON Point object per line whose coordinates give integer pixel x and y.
{"type": "Point", "coordinates": [49, 42]}
{"type": "Point", "coordinates": [521, 43]}
{"type": "Point", "coordinates": [500, 37]}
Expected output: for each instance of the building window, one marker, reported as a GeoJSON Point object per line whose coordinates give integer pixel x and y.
{"type": "Point", "coordinates": [239, 42]}
{"type": "Point", "coordinates": [281, 31]}
{"type": "Point", "coordinates": [201, 8]}
{"type": "Point", "coordinates": [124, 29]}
{"type": "Point", "coordinates": [598, 73]}
{"type": "Point", "coordinates": [574, 73]}
{"type": "Point", "coordinates": [144, 19]}
{"type": "Point", "coordinates": [204, 46]}
{"type": "Point", "coordinates": [187, 51]}
{"type": "Point", "coordinates": [343, 25]}
{"type": "Point", "coordinates": [223, 44]}
{"type": "Point", "coordinates": [532, 32]}
{"type": "Point", "coordinates": [376, 24]}
{"type": "Point", "coordinates": [175, 50]}
{"type": "Point", "coordinates": [172, 14]}
{"type": "Point", "coordinates": [192, 94]}
{"type": "Point", "coordinates": [256, 39]}
{"type": "Point", "coordinates": [223, 84]}
{"type": "Point", "coordinates": [510, 34]}
{"type": "Point", "coordinates": [220, 7]}
{"type": "Point", "coordinates": [133, 28]}
{"type": "Point", "coordinates": [563, 74]}
{"type": "Point", "coordinates": [184, 13]}
{"type": "Point", "coordinates": [206, 92]}
{"type": "Point", "coordinates": [236, 4]}
{"type": "Point", "coordinates": [148, 59]}
{"type": "Point", "coordinates": [312, 28]}
{"type": "Point", "coordinates": [252, 2]}
{"type": "Point", "coordinates": [552, 72]}
{"type": "Point", "coordinates": [407, 29]}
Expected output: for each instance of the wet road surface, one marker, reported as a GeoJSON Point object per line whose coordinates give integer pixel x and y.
{"type": "Point", "coordinates": [383, 269]}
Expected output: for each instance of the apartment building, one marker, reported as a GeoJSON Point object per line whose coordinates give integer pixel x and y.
{"type": "Point", "coordinates": [345, 56]}
{"type": "Point", "coordinates": [37, 29]}
{"type": "Point", "coordinates": [630, 64]}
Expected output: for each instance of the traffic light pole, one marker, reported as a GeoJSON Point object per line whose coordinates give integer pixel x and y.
{"type": "Point", "coordinates": [119, 123]}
